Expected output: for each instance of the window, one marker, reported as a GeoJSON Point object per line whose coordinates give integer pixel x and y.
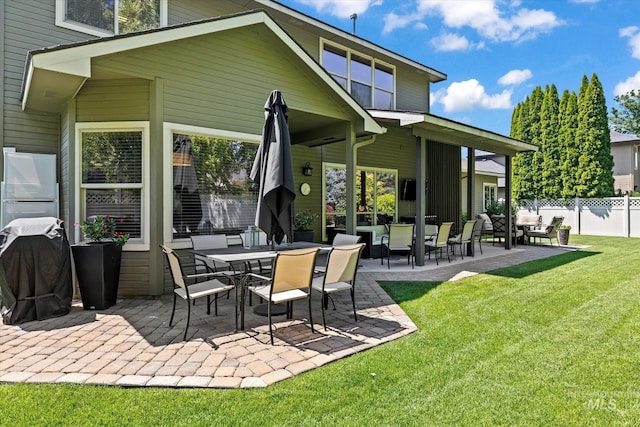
{"type": "Point", "coordinates": [112, 169]}
{"type": "Point", "coordinates": [109, 17]}
{"type": "Point", "coordinates": [376, 191]}
{"type": "Point", "coordinates": [210, 188]}
{"type": "Point", "coordinates": [489, 194]}
{"type": "Point", "coordinates": [370, 82]}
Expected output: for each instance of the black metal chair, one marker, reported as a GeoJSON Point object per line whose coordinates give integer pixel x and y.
{"type": "Point", "coordinates": [192, 292]}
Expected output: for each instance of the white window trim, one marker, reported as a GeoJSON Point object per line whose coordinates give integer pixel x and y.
{"type": "Point", "coordinates": [77, 26]}
{"type": "Point", "coordinates": [142, 244]}
{"type": "Point", "coordinates": [373, 60]}
{"type": "Point", "coordinates": [486, 185]}
{"type": "Point", "coordinates": [168, 130]}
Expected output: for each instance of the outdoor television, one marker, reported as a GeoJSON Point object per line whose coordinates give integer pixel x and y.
{"type": "Point", "coordinates": [409, 189]}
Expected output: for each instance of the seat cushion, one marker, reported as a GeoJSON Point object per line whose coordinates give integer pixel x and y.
{"type": "Point", "coordinates": [202, 289]}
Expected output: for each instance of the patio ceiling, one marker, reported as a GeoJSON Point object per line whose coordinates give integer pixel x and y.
{"type": "Point", "coordinates": [434, 128]}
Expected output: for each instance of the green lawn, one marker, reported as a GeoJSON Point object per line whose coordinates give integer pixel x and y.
{"type": "Point", "coordinates": [547, 343]}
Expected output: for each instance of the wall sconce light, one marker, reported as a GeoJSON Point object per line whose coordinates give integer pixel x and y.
{"type": "Point", "coordinates": [307, 170]}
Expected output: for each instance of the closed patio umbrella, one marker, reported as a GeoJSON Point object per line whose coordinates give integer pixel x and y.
{"type": "Point", "coordinates": [187, 208]}
{"type": "Point", "coordinates": [273, 172]}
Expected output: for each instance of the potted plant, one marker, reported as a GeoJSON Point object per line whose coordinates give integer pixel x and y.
{"type": "Point", "coordinates": [303, 226]}
{"type": "Point", "coordinates": [97, 262]}
{"type": "Point", "coordinates": [563, 234]}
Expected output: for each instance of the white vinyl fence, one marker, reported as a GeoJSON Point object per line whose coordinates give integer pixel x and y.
{"type": "Point", "coordinates": [610, 216]}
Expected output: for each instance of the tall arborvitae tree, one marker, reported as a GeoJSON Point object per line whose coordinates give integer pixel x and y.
{"type": "Point", "coordinates": [569, 152]}
{"type": "Point", "coordinates": [534, 136]}
{"type": "Point", "coordinates": [551, 181]}
{"type": "Point", "coordinates": [595, 165]}
{"type": "Point", "coordinates": [516, 133]}
{"type": "Point", "coordinates": [574, 157]}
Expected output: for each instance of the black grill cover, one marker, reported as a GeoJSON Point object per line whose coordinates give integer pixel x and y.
{"type": "Point", "coordinates": [35, 270]}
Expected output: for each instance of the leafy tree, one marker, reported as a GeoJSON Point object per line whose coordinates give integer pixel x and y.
{"type": "Point", "coordinates": [223, 166]}
{"type": "Point", "coordinates": [627, 119]}
{"type": "Point", "coordinates": [595, 163]}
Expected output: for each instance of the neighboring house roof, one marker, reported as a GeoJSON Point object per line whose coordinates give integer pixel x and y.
{"type": "Point", "coordinates": [53, 75]}
{"type": "Point", "coordinates": [435, 128]}
{"type": "Point", "coordinates": [618, 137]}
{"type": "Point", "coordinates": [485, 167]}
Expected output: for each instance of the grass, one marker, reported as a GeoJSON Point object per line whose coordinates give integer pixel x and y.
{"type": "Point", "coordinates": [550, 342]}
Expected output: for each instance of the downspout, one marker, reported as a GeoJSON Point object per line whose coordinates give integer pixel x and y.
{"type": "Point", "coordinates": [351, 166]}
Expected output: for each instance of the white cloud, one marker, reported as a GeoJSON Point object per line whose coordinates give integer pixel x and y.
{"type": "Point", "coordinates": [393, 21]}
{"type": "Point", "coordinates": [341, 8]}
{"type": "Point", "coordinates": [515, 77]}
{"type": "Point", "coordinates": [449, 42]}
{"type": "Point", "coordinates": [634, 39]}
{"type": "Point", "coordinates": [469, 95]}
{"type": "Point", "coordinates": [491, 19]}
{"type": "Point", "coordinates": [632, 82]}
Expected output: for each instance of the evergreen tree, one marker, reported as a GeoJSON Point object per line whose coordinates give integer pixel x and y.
{"type": "Point", "coordinates": [595, 164]}
{"type": "Point", "coordinates": [534, 135]}
{"type": "Point", "coordinates": [522, 162]}
{"type": "Point", "coordinates": [574, 157]}
{"type": "Point", "coordinates": [569, 151]}
{"type": "Point", "coordinates": [550, 151]}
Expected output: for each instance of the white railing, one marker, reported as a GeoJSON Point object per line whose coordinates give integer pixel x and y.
{"type": "Point", "coordinates": [610, 216]}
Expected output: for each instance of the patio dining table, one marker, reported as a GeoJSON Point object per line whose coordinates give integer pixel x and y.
{"type": "Point", "coordinates": [237, 254]}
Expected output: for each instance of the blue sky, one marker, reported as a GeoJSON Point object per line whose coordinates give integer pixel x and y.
{"type": "Point", "coordinates": [495, 52]}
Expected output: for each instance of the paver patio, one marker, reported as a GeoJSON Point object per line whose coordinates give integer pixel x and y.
{"type": "Point", "coordinates": [131, 343]}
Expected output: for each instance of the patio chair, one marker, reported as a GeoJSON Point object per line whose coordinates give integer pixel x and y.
{"type": "Point", "coordinates": [464, 238]}
{"type": "Point", "coordinates": [500, 229]}
{"type": "Point", "coordinates": [205, 264]}
{"type": "Point", "coordinates": [441, 240]}
{"type": "Point", "coordinates": [192, 292]}
{"type": "Point", "coordinates": [340, 275]}
{"type": "Point", "coordinates": [338, 240]}
{"type": "Point", "coordinates": [345, 239]}
{"type": "Point", "coordinates": [549, 232]}
{"type": "Point", "coordinates": [290, 281]}
{"type": "Point", "coordinates": [399, 240]}
{"type": "Point", "coordinates": [477, 231]}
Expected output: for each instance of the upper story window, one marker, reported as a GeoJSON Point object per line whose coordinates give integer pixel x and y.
{"type": "Point", "coordinates": [369, 81]}
{"type": "Point", "coordinates": [109, 17]}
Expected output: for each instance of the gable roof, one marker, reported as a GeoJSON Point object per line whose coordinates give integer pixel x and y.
{"type": "Point", "coordinates": [299, 18]}
{"type": "Point", "coordinates": [53, 75]}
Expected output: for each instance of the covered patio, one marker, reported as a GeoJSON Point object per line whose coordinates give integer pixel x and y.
{"type": "Point", "coordinates": [132, 345]}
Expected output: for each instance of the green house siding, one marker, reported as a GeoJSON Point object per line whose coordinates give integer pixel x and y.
{"type": "Point", "coordinates": [113, 100]}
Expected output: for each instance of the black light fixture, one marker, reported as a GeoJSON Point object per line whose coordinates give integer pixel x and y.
{"type": "Point", "coordinates": [307, 170]}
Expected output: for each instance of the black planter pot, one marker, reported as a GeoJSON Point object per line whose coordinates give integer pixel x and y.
{"type": "Point", "coordinates": [303, 235]}
{"type": "Point", "coordinates": [98, 271]}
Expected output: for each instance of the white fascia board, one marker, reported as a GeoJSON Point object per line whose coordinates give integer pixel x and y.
{"type": "Point", "coordinates": [405, 119]}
